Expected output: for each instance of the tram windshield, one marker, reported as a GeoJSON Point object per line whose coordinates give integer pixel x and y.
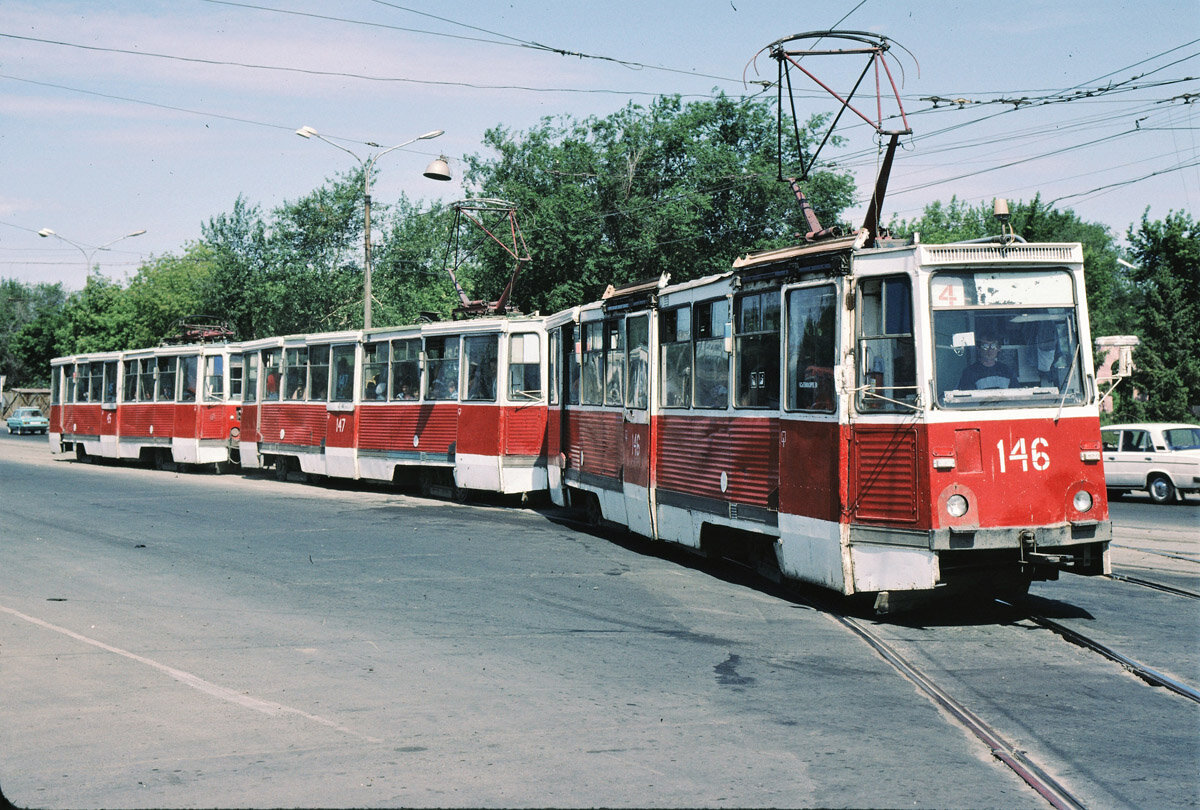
{"type": "Point", "coordinates": [1006, 339]}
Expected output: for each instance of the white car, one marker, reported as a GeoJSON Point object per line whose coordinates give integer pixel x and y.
{"type": "Point", "coordinates": [1163, 459]}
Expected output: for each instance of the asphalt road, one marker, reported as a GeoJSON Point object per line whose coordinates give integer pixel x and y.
{"type": "Point", "coordinates": [194, 640]}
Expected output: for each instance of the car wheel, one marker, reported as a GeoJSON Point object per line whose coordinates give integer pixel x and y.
{"type": "Point", "coordinates": [1161, 489]}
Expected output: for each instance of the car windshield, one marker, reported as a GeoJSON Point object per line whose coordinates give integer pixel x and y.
{"type": "Point", "coordinates": [31, 413]}
{"type": "Point", "coordinates": [1184, 438]}
{"type": "Point", "coordinates": [1005, 339]}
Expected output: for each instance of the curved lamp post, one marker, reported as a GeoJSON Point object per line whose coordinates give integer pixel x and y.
{"type": "Point", "coordinates": [437, 170]}
{"type": "Point", "coordinates": [88, 255]}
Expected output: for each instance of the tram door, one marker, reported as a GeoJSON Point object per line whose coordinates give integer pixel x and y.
{"type": "Point", "coordinates": [638, 439]}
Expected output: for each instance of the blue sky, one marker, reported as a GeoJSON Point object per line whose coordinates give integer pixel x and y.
{"type": "Point", "coordinates": [122, 116]}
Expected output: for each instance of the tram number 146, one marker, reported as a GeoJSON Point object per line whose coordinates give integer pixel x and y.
{"type": "Point", "coordinates": [1036, 455]}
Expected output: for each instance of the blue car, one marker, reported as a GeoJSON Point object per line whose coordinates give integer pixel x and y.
{"type": "Point", "coordinates": [28, 420]}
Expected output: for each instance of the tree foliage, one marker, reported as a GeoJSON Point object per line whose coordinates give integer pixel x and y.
{"type": "Point", "coordinates": [1166, 317]}
{"type": "Point", "coordinates": [673, 188]}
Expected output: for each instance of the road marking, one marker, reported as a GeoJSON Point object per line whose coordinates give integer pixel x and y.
{"type": "Point", "coordinates": [188, 679]}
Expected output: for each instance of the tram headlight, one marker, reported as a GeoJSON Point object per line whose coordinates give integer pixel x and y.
{"type": "Point", "coordinates": [957, 505]}
{"type": "Point", "coordinates": [1082, 501]}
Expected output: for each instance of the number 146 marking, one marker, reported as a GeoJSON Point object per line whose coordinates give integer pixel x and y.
{"type": "Point", "coordinates": [1036, 455]}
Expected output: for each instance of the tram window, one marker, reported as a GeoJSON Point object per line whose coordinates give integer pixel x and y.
{"type": "Point", "coordinates": [250, 376]}
{"type": "Point", "coordinates": [1006, 339]}
{"type": "Point", "coordinates": [555, 360]}
{"type": "Point", "coordinates": [572, 356]}
{"type": "Point", "coordinates": [214, 378]}
{"type": "Point", "coordinates": [637, 361]}
{"type": "Point", "coordinates": [55, 385]}
{"type": "Point", "coordinates": [110, 381]}
{"type": "Point", "coordinates": [165, 384]}
{"type": "Point", "coordinates": [130, 389]}
{"type": "Point", "coordinates": [711, 365]}
{"type": "Point", "coordinates": [480, 356]}
{"type": "Point", "coordinates": [272, 369]}
{"type": "Point", "coordinates": [146, 380]}
{"type": "Point", "coordinates": [72, 375]}
{"type": "Point", "coordinates": [756, 350]}
{"type": "Point", "coordinates": [235, 377]}
{"type": "Point", "coordinates": [812, 348]}
{"type": "Point", "coordinates": [81, 378]}
{"type": "Point", "coordinates": [187, 373]}
{"type": "Point", "coordinates": [342, 366]}
{"type": "Point", "coordinates": [524, 367]}
{"type": "Point", "coordinates": [406, 368]}
{"type": "Point", "coordinates": [96, 384]}
{"type": "Point", "coordinates": [295, 373]}
{"type": "Point", "coordinates": [614, 363]}
{"type": "Point", "coordinates": [318, 373]}
{"type": "Point", "coordinates": [675, 357]}
{"type": "Point", "coordinates": [886, 357]}
{"type": "Point", "coordinates": [441, 368]}
{"type": "Point", "coordinates": [375, 373]}
{"type": "Point", "coordinates": [593, 364]}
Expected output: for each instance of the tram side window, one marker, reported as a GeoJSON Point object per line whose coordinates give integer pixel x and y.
{"type": "Point", "coordinates": [318, 373]}
{"type": "Point", "coordinates": [441, 368]}
{"type": "Point", "coordinates": [214, 378]}
{"type": "Point", "coordinates": [375, 373]}
{"type": "Point", "coordinates": [295, 373]}
{"type": "Point", "coordinates": [81, 379]}
{"type": "Point", "coordinates": [55, 385]}
{"type": "Point", "coordinates": [250, 376]}
{"type": "Point", "coordinates": [886, 359]}
{"type": "Point", "coordinates": [812, 348]}
{"type": "Point", "coordinates": [756, 349]}
{"type": "Point", "coordinates": [110, 381]}
{"type": "Point", "coordinates": [593, 364]}
{"type": "Point", "coordinates": [614, 363]}
{"type": "Point", "coordinates": [187, 373]}
{"type": "Point", "coordinates": [342, 365]}
{"type": "Point", "coordinates": [146, 380]}
{"type": "Point", "coordinates": [165, 388]}
{"type": "Point", "coordinates": [406, 369]}
{"type": "Point", "coordinates": [130, 389]}
{"type": "Point", "coordinates": [525, 367]}
{"type": "Point", "coordinates": [675, 357]}
{"type": "Point", "coordinates": [235, 377]}
{"type": "Point", "coordinates": [480, 353]}
{"type": "Point", "coordinates": [711, 360]}
{"type": "Point", "coordinates": [555, 368]}
{"type": "Point", "coordinates": [96, 385]}
{"type": "Point", "coordinates": [637, 361]}
{"type": "Point", "coordinates": [272, 369]}
{"type": "Point", "coordinates": [572, 355]}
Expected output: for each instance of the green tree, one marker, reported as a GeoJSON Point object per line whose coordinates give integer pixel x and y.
{"type": "Point", "coordinates": [27, 312]}
{"type": "Point", "coordinates": [1166, 255]}
{"type": "Point", "coordinates": [676, 188]}
{"type": "Point", "coordinates": [167, 290]}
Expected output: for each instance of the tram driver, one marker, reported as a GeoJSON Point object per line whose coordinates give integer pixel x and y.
{"type": "Point", "coordinates": [987, 371]}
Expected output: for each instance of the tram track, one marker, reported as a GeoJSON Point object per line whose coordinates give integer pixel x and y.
{"type": "Point", "coordinates": [1146, 673]}
{"type": "Point", "coordinates": [1158, 586]}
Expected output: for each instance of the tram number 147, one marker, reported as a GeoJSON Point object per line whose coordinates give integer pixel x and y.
{"type": "Point", "coordinates": [1036, 455]}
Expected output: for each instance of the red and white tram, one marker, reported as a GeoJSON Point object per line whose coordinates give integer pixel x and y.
{"type": "Point", "coordinates": [456, 405]}
{"type": "Point", "coordinates": [872, 420]}
{"type": "Point", "coordinates": [173, 404]}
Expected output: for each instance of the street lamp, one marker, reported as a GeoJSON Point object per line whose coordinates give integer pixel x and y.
{"type": "Point", "coordinates": [437, 170]}
{"type": "Point", "coordinates": [87, 255]}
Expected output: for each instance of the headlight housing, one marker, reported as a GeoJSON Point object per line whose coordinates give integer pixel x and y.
{"type": "Point", "coordinates": [957, 505]}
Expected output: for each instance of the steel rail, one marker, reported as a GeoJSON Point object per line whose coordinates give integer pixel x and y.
{"type": "Point", "coordinates": [1147, 674]}
{"type": "Point", "coordinates": [1029, 772]}
{"type": "Point", "coordinates": [1158, 586]}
